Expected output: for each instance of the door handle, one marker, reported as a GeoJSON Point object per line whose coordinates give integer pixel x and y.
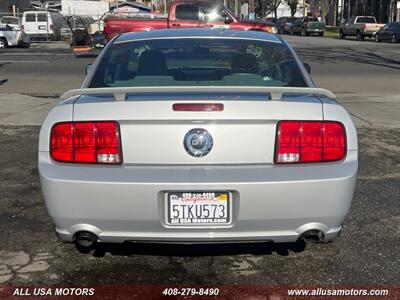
{"type": "Point", "coordinates": [176, 25]}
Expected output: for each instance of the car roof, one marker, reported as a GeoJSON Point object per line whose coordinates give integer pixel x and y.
{"type": "Point", "coordinates": [199, 33]}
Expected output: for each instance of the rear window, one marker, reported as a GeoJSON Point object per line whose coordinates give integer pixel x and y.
{"type": "Point", "coordinates": [198, 62]}
{"type": "Point", "coordinates": [366, 20]}
{"type": "Point", "coordinates": [30, 17]}
{"type": "Point", "coordinates": [187, 12]}
{"type": "Point", "coordinates": [6, 20]}
{"type": "Point", "coordinates": [42, 18]}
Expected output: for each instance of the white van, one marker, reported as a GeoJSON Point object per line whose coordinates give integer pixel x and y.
{"type": "Point", "coordinates": [41, 24]}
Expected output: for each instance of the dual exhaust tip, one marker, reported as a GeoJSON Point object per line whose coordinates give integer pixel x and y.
{"type": "Point", "coordinates": [85, 240]}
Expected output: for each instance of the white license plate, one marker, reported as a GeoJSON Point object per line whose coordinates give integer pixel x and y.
{"type": "Point", "coordinates": [198, 208]}
{"type": "Point", "coordinates": [42, 27]}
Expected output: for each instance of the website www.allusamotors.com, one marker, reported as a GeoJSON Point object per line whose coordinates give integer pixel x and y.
{"type": "Point", "coordinates": [338, 292]}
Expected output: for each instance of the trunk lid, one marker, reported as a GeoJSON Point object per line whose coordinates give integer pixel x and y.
{"type": "Point", "coordinates": [153, 133]}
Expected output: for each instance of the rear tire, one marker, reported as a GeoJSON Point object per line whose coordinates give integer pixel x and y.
{"type": "Point", "coordinates": [321, 34]}
{"type": "Point", "coordinates": [3, 43]}
{"type": "Point", "coordinates": [377, 39]}
{"type": "Point", "coordinates": [359, 36]}
{"type": "Point", "coordinates": [342, 36]}
{"type": "Point", "coordinates": [394, 39]}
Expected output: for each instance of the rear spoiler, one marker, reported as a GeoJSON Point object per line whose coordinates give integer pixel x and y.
{"type": "Point", "coordinates": [275, 93]}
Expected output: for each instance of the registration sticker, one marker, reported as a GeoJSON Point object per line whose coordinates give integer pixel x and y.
{"type": "Point", "coordinates": [198, 208]}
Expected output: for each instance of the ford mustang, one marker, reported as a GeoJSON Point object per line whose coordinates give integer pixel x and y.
{"type": "Point", "coordinates": [198, 136]}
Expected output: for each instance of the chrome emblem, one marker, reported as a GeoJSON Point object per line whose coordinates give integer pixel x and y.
{"type": "Point", "coordinates": [198, 142]}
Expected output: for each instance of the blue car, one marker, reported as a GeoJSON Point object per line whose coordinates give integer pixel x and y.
{"type": "Point", "coordinates": [389, 32]}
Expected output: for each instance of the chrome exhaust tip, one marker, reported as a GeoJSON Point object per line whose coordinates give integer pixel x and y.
{"type": "Point", "coordinates": [85, 240]}
{"type": "Point", "coordinates": [312, 236]}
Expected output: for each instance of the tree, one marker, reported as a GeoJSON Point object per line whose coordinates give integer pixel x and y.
{"type": "Point", "coordinates": [265, 7]}
{"type": "Point", "coordinates": [292, 4]}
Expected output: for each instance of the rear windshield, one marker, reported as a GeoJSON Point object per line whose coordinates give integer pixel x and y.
{"type": "Point", "coordinates": [366, 20]}
{"type": "Point", "coordinates": [6, 20]}
{"type": "Point", "coordinates": [30, 18]}
{"type": "Point", "coordinates": [42, 18]}
{"type": "Point", "coordinates": [198, 62]}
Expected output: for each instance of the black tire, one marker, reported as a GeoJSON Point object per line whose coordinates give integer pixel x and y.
{"type": "Point", "coordinates": [394, 39]}
{"type": "Point", "coordinates": [291, 31]}
{"type": "Point", "coordinates": [321, 34]}
{"type": "Point", "coordinates": [303, 32]}
{"type": "Point", "coordinates": [359, 36]}
{"type": "Point", "coordinates": [3, 43]}
{"type": "Point", "coordinates": [377, 39]}
{"type": "Point", "coordinates": [342, 35]}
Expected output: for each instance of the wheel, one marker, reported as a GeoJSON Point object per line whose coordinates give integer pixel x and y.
{"type": "Point", "coordinates": [342, 35]}
{"type": "Point", "coordinates": [359, 36]}
{"type": "Point", "coordinates": [291, 31]}
{"type": "Point", "coordinates": [377, 38]}
{"type": "Point", "coordinates": [321, 34]}
{"type": "Point", "coordinates": [3, 43]}
{"type": "Point", "coordinates": [394, 39]}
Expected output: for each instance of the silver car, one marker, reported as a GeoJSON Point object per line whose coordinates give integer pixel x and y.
{"type": "Point", "coordinates": [198, 136]}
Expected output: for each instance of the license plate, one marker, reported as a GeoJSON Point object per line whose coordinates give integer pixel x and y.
{"type": "Point", "coordinates": [42, 27]}
{"type": "Point", "coordinates": [198, 208]}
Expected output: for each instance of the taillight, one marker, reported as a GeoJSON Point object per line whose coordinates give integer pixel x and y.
{"type": "Point", "coordinates": [309, 141]}
{"type": "Point", "coordinates": [86, 142]}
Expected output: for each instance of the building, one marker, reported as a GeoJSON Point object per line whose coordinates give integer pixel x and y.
{"type": "Point", "coordinates": [13, 6]}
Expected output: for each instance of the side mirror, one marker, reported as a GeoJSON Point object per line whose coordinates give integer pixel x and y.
{"type": "Point", "coordinates": [88, 68]}
{"type": "Point", "coordinates": [307, 67]}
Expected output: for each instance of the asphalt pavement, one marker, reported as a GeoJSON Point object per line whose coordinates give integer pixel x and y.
{"type": "Point", "coordinates": [366, 78]}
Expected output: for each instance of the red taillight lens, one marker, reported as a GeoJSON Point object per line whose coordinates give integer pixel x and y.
{"type": "Point", "coordinates": [334, 141]}
{"type": "Point", "coordinates": [309, 141]}
{"type": "Point", "coordinates": [86, 142]}
{"type": "Point", "coordinates": [61, 142]}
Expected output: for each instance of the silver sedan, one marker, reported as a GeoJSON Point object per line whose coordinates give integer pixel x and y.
{"type": "Point", "coordinates": [198, 136]}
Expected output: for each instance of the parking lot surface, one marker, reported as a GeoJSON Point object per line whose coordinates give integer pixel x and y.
{"type": "Point", "coordinates": [365, 76]}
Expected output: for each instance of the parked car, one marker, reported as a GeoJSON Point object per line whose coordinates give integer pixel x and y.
{"type": "Point", "coordinates": [197, 136]}
{"type": "Point", "coordinates": [13, 22]}
{"type": "Point", "coordinates": [389, 32]}
{"type": "Point", "coordinates": [360, 27]}
{"type": "Point", "coordinates": [283, 24]}
{"type": "Point", "coordinates": [10, 37]}
{"type": "Point", "coordinates": [306, 26]}
{"type": "Point", "coordinates": [42, 24]}
{"type": "Point", "coordinates": [186, 14]}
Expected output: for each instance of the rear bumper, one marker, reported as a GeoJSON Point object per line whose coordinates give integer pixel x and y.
{"type": "Point", "coordinates": [127, 203]}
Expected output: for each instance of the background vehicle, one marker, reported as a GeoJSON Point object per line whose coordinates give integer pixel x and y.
{"type": "Point", "coordinates": [306, 26]}
{"type": "Point", "coordinates": [10, 37]}
{"type": "Point", "coordinates": [13, 22]}
{"type": "Point", "coordinates": [389, 32]}
{"type": "Point", "coordinates": [283, 24]}
{"type": "Point", "coordinates": [186, 14]}
{"type": "Point", "coordinates": [227, 109]}
{"type": "Point", "coordinates": [360, 27]}
{"type": "Point", "coordinates": [42, 24]}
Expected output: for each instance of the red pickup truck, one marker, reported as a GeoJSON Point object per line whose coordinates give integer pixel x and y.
{"type": "Point", "coordinates": [185, 14]}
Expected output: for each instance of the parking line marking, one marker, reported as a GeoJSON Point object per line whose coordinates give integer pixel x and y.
{"type": "Point", "coordinates": [24, 61]}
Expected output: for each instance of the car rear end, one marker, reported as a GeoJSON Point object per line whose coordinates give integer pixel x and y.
{"type": "Point", "coordinates": [313, 26]}
{"type": "Point", "coordinates": [38, 24]}
{"type": "Point", "coordinates": [198, 163]}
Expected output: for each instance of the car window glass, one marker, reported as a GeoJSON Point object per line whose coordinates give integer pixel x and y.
{"type": "Point", "coordinates": [365, 20]}
{"type": "Point", "coordinates": [202, 62]}
{"type": "Point", "coordinates": [187, 12]}
{"type": "Point", "coordinates": [213, 13]}
{"type": "Point", "coordinates": [42, 18]}
{"type": "Point", "coordinates": [30, 17]}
